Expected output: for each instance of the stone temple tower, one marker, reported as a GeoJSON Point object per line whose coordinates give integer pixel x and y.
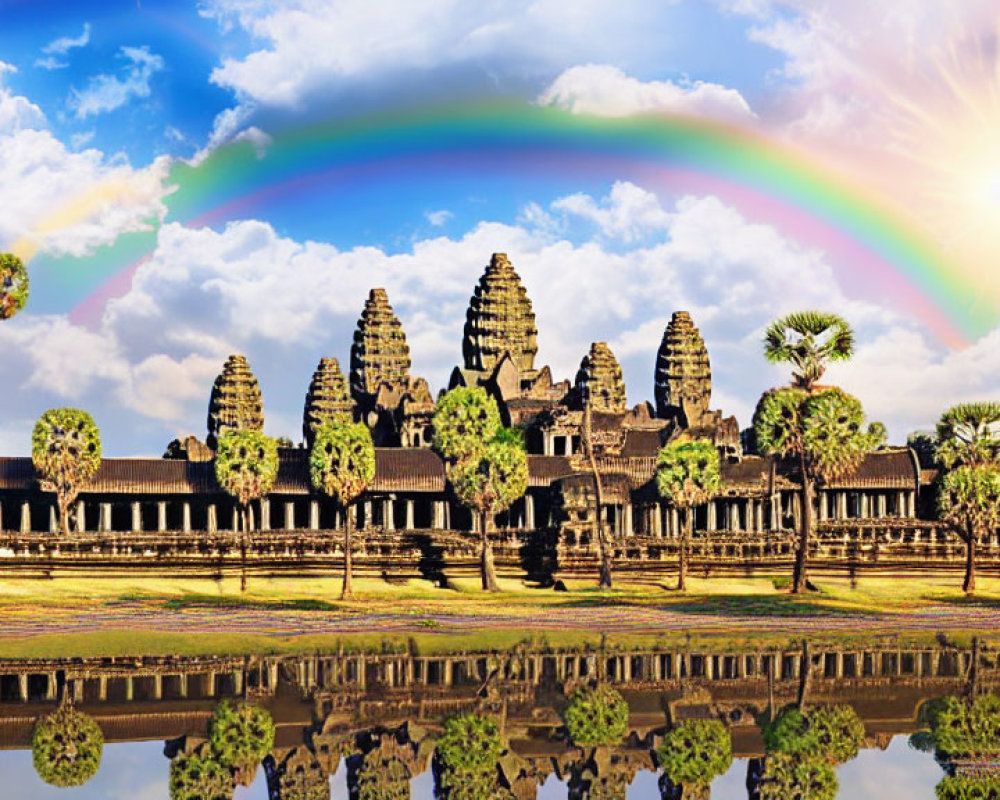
{"type": "Point", "coordinates": [500, 321]}
{"type": "Point", "coordinates": [600, 375]}
{"type": "Point", "coordinates": [235, 403]}
{"type": "Point", "coordinates": [380, 354]}
{"type": "Point", "coordinates": [683, 379]}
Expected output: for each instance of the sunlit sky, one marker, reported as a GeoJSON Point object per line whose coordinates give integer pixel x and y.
{"type": "Point", "coordinates": [166, 169]}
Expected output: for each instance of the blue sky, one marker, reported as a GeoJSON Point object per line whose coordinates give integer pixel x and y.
{"type": "Point", "coordinates": [101, 103]}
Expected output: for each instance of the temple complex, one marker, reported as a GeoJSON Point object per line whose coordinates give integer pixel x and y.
{"type": "Point", "coordinates": [170, 505]}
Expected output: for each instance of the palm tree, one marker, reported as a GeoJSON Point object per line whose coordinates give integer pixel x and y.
{"type": "Point", "coordinates": [66, 453]}
{"type": "Point", "coordinates": [808, 340]}
{"type": "Point", "coordinates": [824, 431]}
{"type": "Point", "coordinates": [489, 481]}
{"type": "Point", "coordinates": [246, 466]}
{"type": "Point", "coordinates": [968, 446]}
{"type": "Point", "coordinates": [13, 285]}
{"type": "Point", "coordinates": [341, 465]}
{"type": "Point", "coordinates": [66, 747]}
{"type": "Point", "coordinates": [688, 475]}
{"type": "Point", "coordinates": [465, 421]}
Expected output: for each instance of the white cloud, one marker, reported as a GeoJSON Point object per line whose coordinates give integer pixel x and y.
{"type": "Point", "coordinates": [68, 202]}
{"type": "Point", "coordinates": [61, 46]}
{"type": "Point", "coordinates": [438, 218]}
{"type": "Point", "coordinates": [607, 91]}
{"type": "Point", "coordinates": [629, 212]}
{"type": "Point", "coordinates": [107, 92]}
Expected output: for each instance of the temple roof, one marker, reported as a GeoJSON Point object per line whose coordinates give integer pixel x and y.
{"type": "Point", "coordinates": [499, 320]}
{"type": "Point", "coordinates": [380, 353]}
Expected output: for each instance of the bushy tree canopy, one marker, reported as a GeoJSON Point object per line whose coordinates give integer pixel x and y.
{"type": "Point", "coordinates": [967, 729]}
{"type": "Point", "coordinates": [342, 460]}
{"type": "Point", "coordinates": [969, 434]}
{"type": "Point", "coordinates": [695, 752]}
{"type": "Point", "coordinates": [831, 732]}
{"type": "Point", "coordinates": [239, 733]}
{"type": "Point", "coordinates": [688, 473]}
{"type": "Point", "coordinates": [596, 716]}
{"type": "Point", "coordinates": [808, 340]}
{"type": "Point", "coordinates": [966, 787]}
{"type": "Point", "coordinates": [467, 756]}
{"type": "Point", "coordinates": [13, 285]}
{"type": "Point", "coordinates": [66, 453]}
{"type": "Point", "coordinates": [66, 747]}
{"type": "Point", "coordinates": [198, 775]}
{"type": "Point", "coordinates": [465, 421]}
{"type": "Point", "coordinates": [790, 777]}
{"type": "Point", "coordinates": [969, 499]}
{"type": "Point", "coordinates": [246, 464]}
{"type": "Point", "coordinates": [492, 479]}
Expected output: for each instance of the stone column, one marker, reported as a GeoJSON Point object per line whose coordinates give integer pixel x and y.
{"type": "Point", "coordinates": [25, 517]}
{"type": "Point", "coordinates": [51, 687]}
{"type": "Point", "coordinates": [775, 512]}
{"type": "Point", "coordinates": [901, 504]}
{"type": "Point", "coordinates": [129, 688]}
{"type": "Point", "coordinates": [367, 507]}
{"type": "Point", "coordinates": [53, 520]}
{"type": "Point", "coordinates": [136, 517]}
{"type": "Point", "coordinates": [675, 522]}
{"type": "Point", "coordinates": [388, 515]}
{"type": "Point", "coordinates": [864, 505]}
{"type": "Point", "coordinates": [911, 505]}
{"type": "Point", "coordinates": [410, 517]}
{"type": "Point", "coordinates": [105, 517]}
{"type": "Point", "coordinates": [880, 505]}
{"type": "Point", "coordinates": [734, 516]}
{"type": "Point", "coordinates": [824, 514]}
{"type": "Point", "coordinates": [186, 516]}
{"type": "Point", "coordinates": [212, 518]}
{"type": "Point", "coordinates": [841, 505]}
{"type": "Point", "coordinates": [161, 515]}
{"type": "Point", "coordinates": [235, 525]}
{"type": "Point", "coordinates": [102, 688]}
{"type": "Point", "coordinates": [437, 519]}
{"type": "Point", "coordinates": [289, 516]}
{"type": "Point", "coordinates": [711, 515]}
{"type": "Point", "coordinates": [529, 511]}
{"type": "Point", "coordinates": [627, 521]}
{"type": "Point", "coordinates": [22, 687]}
{"type": "Point", "coordinates": [158, 687]}
{"type": "Point", "coordinates": [314, 515]}
{"type": "Point", "coordinates": [238, 682]}
{"type": "Point", "coordinates": [265, 514]}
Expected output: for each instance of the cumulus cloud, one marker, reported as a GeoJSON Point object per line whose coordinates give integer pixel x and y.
{"type": "Point", "coordinates": [60, 47]}
{"type": "Point", "coordinates": [607, 91]}
{"type": "Point", "coordinates": [149, 363]}
{"type": "Point", "coordinates": [106, 92]}
{"type": "Point", "coordinates": [68, 203]}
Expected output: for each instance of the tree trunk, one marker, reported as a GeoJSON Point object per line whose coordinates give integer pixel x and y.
{"type": "Point", "coordinates": [805, 676]}
{"type": "Point", "coordinates": [682, 565]}
{"type": "Point", "coordinates": [64, 504]}
{"type": "Point", "coordinates": [805, 531]}
{"type": "Point", "coordinates": [243, 548]}
{"type": "Point", "coordinates": [347, 589]}
{"type": "Point", "coordinates": [969, 586]}
{"type": "Point", "coordinates": [603, 545]}
{"type": "Point", "coordinates": [488, 571]}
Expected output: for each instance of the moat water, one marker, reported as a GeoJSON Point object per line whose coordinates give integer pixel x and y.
{"type": "Point", "coordinates": [326, 705]}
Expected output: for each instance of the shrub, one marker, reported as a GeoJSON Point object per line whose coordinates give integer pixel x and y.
{"type": "Point", "coordinates": [695, 752]}
{"type": "Point", "coordinates": [66, 747]}
{"type": "Point", "coordinates": [596, 716]}
{"type": "Point", "coordinates": [240, 734]}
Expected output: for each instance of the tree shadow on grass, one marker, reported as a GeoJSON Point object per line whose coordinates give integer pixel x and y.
{"type": "Point", "coordinates": [737, 605]}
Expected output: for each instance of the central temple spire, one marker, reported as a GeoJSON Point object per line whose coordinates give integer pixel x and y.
{"type": "Point", "coordinates": [500, 320]}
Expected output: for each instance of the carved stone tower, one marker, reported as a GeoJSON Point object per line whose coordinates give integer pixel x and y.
{"type": "Point", "coordinates": [380, 354]}
{"type": "Point", "coordinates": [683, 380]}
{"type": "Point", "coordinates": [326, 399]}
{"type": "Point", "coordinates": [500, 321]}
{"type": "Point", "coordinates": [601, 375]}
{"type": "Point", "coordinates": [235, 403]}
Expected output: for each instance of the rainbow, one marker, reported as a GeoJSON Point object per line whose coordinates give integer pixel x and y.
{"type": "Point", "coordinates": [769, 182]}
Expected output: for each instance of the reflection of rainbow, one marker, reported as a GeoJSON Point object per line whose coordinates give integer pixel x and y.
{"type": "Point", "coordinates": [766, 180]}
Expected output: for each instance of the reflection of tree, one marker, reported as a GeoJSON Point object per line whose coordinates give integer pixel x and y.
{"type": "Point", "coordinates": [296, 776]}
{"type": "Point", "coordinates": [965, 733]}
{"type": "Point", "coordinates": [386, 769]}
{"type": "Point", "coordinates": [802, 749]}
{"type": "Point", "coordinates": [596, 716]}
{"type": "Point", "coordinates": [693, 754]}
{"type": "Point", "coordinates": [602, 773]}
{"type": "Point", "coordinates": [467, 758]}
{"type": "Point", "coordinates": [66, 747]}
{"type": "Point", "coordinates": [789, 776]}
{"type": "Point", "coordinates": [197, 775]}
{"type": "Point", "coordinates": [240, 734]}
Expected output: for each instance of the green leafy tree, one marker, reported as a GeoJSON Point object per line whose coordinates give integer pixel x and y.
{"type": "Point", "coordinates": [596, 716]}
{"type": "Point", "coordinates": [465, 421]}
{"type": "Point", "coordinates": [687, 475]}
{"type": "Point", "coordinates": [968, 446]}
{"type": "Point", "coordinates": [66, 747]}
{"type": "Point", "coordinates": [967, 729]}
{"type": "Point", "coordinates": [808, 340]}
{"type": "Point", "coordinates": [967, 787]}
{"type": "Point", "coordinates": [824, 431]}
{"type": "Point", "coordinates": [13, 285]}
{"type": "Point", "coordinates": [240, 734]}
{"type": "Point", "coordinates": [791, 777]}
{"type": "Point", "coordinates": [198, 775]}
{"type": "Point", "coordinates": [66, 453]}
{"type": "Point", "coordinates": [489, 481]}
{"type": "Point", "coordinates": [246, 466]}
{"type": "Point", "coordinates": [341, 465]}
{"type": "Point", "coordinates": [831, 732]}
{"type": "Point", "coordinates": [694, 753]}
{"type": "Point", "coordinates": [467, 757]}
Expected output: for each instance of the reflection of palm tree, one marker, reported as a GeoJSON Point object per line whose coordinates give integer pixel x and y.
{"type": "Point", "coordinates": [296, 776]}
{"type": "Point", "coordinates": [693, 754]}
{"type": "Point", "coordinates": [965, 733]}
{"type": "Point", "coordinates": [66, 747]}
{"type": "Point", "coordinates": [197, 775]}
{"type": "Point", "coordinates": [240, 735]}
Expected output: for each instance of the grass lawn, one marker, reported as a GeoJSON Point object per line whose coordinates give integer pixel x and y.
{"type": "Point", "coordinates": [462, 616]}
